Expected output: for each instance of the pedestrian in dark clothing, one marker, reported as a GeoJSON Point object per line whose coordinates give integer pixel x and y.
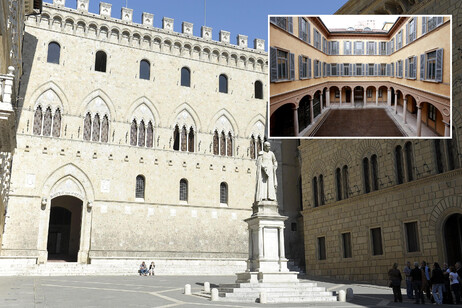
{"type": "Point", "coordinates": [395, 280]}
{"type": "Point", "coordinates": [447, 296]}
{"type": "Point", "coordinates": [437, 281]}
{"type": "Point", "coordinates": [426, 284]}
{"type": "Point", "coordinates": [416, 277]}
{"type": "Point", "coordinates": [455, 286]}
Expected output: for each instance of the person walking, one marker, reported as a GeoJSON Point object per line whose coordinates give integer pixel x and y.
{"type": "Point", "coordinates": [151, 268]}
{"type": "Point", "coordinates": [437, 281]}
{"type": "Point", "coordinates": [395, 280]}
{"type": "Point", "coordinates": [447, 296]}
{"type": "Point", "coordinates": [455, 286]}
{"type": "Point", "coordinates": [407, 272]}
{"type": "Point", "coordinates": [416, 278]}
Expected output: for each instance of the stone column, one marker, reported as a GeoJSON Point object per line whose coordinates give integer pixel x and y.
{"type": "Point", "coordinates": [311, 110]}
{"type": "Point", "coordinates": [404, 110]}
{"type": "Point", "coordinates": [396, 103]}
{"type": "Point", "coordinates": [447, 129]}
{"type": "Point", "coordinates": [352, 97]}
{"type": "Point", "coordinates": [260, 243]}
{"type": "Point", "coordinates": [377, 97]}
{"type": "Point", "coordinates": [419, 121]}
{"type": "Point", "coordinates": [281, 243]}
{"type": "Point", "coordinates": [327, 98]}
{"type": "Point", "coordinates": [341, 97]}
{"type": "Point", "coordinates": [389, 97]}
{"type": "Point", "coordinates": [296, 128]}
{"type": "Point", "coordinates": [365, 98]}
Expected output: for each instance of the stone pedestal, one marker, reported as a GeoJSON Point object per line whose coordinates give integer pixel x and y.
{"type": "Point", "coordinates": [267, 262]}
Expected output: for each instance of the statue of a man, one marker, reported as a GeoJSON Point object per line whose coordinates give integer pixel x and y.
{"type": "Point", "coordinates": [266, 174]}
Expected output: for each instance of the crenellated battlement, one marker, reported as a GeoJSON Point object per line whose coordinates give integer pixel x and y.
{"type": "Point", "coordinates": [126, 17]}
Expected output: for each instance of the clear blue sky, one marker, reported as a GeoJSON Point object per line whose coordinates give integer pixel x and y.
{"type": "Point", "coordinates": [248, 17]}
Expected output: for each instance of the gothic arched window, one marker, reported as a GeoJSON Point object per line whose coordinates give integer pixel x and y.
{"type": "Point", "coordinates": [215, 143]}
{"type": "Point", "coordinates": [367, 186]}
{"type": "Point", "coordinates": [322, 197]}
{"type": "Point", "coordinates": [140, 184]}
{"type": "Point", "coordinates": [229, 145]}
{"type": "Point", "coordinates": [87, 127]}
{"type": "Point", "coordinates": [345, 183]}
{"type": "Point", "coordinates": [183, 190]}
{"type": "Point", "coordinates": [223, 193]}
{"type": "Point", "coordinates": [191, 140]}
{"type": "Point", "coordinates": [105, 129]}
{"type": "Point", "coordinates": [338, 182]}
{"type": "Point", "coordinates": [184, 141]}
{"type": "Point", "coordinates": [176, 138]}
{"type": "Point", "coordinates": [315, 192]}
{"type": "Point", "coordinates": [149, 135]}
{"type": "Point", "coordinates": [37, 130]}
{"type": "Point", "coordinates": [185, 77]}
{"type": "Point", "coordinates": [96, 129]}
{"type": "Point", "coordinates": [57, 123]}
{"type": "Point", "coordinates": [145, 69]}
{"type": "Point", "coordinates": [374, 173]}
{"type": "Point", "coordinates": [47, 119]}
{"type": "Point", "coordinates": [54, 51]}
{"type": "Point", "coordinates": [252, 147]}
{"type": "Point", "coordinates": [222, 144]}
{"type": "Point", "coordinates": [133, 132]}
{"type": "Point", "coordinates": [409, 161]}
{"type": "Point", "coordinates": [399, 164]}
{"type": "Point", "coordinates": [141, 134]}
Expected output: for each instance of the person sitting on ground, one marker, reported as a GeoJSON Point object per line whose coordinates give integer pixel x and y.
{"type": "Point", "coordinates": [151, 269]}
{"type": "Point", "coordinates": [395, 280]}
{"type": "Point", "coordinates": [143, 269]}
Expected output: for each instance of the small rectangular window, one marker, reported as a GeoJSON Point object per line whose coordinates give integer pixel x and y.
{"type": "Point", "coordinates": [321, 248]}
{"type": "Point", "coordinates": [346, 241]}
{"type": "Point", "coordinates": [347, 48]}
{"type": "Point", "coordinates": [371, 69]}
{"type": "Point", "coordinates": [412, 237]}
{"type": "Point", "coordinates": [383, 48]}
{"type": "Point", "coordinates": [376, 237]}
{"type": "Point", "coordinates": [431, 66]}
{"type": "Point", "coordinates": [333, 69]}
{"type": "Point", "coordinates": [383, 69]}
{"type": "Point", "coordinates": [359, 69]}
{"type": "Point", "coordinates": [283, 65]}
{"type": "Point", "coordinates": [293, 227]}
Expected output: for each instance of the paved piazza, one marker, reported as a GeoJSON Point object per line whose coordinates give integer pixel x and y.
{"type": "Point", "coordinates": [157, 291]}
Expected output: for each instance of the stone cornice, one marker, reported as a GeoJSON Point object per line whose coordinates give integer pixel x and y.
{"type": "Point", "coordinates": [139, 28]}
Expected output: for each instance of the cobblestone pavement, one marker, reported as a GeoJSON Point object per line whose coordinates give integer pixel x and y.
{"type": "Point", "coordinates": [156, 291]}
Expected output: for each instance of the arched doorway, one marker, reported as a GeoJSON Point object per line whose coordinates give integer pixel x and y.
{"type": "Point", "coordinates": [453, 238]}
{"type": "Point", "coordinates": [64, 228]}
{"type": "Point", "coordinates": [282, 121]}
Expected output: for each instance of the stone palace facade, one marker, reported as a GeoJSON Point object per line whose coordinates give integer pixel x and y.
{"type": "Point", "coordinates": [133, 143]}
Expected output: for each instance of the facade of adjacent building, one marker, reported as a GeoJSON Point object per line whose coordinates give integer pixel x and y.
{"type": "Point", "coordinates": [405, 69]}
{"type": "Point", "coordinates": [134, 142]}
{"type": "Point", "coordinates": [12, 16]}
{"type": "Point", "coordinates": [370, 203]}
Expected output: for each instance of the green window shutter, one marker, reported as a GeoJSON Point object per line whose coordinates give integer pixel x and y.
{"type": "Point", "coordinates": [439, 21]}
{"type": "Point", "coordinates": [309, 68]}
{"type": "Point", "coordinates": [407, 33]}
{"type": "Point", "coordinates": [290, 24]}
{"type": "Point", "coordinates": [300, 67]}
{"type": "Point", "coordinates": [292, 66]}
{"type": "Point", "coordinates": [406, 64]}
{"type": "Point", "coordinates": [424, 25]}
{"type": "Point", "coordinates": [422, 67]}
{"type": "Point", "coordinates": [439, 64]}
{"type": "Point", "coordinates": [414, 70]}
{"type": "Point", "coordinates": [308, 30]}
{"type": "Point", "coordinates": [274, 64]}
{"type": "Point", "coordinates": [300, 33]}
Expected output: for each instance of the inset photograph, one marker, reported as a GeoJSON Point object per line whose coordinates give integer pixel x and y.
{"type": "Point", "coordinates": [376, 76]}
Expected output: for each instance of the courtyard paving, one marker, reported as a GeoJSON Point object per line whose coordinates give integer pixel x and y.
{"type": "Point", "coordinates": [157, 291]}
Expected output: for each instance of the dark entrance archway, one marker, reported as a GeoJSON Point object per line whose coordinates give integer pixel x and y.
{"type": "Point", "coordinates": [453, 238]}
{"type": "Point", "coordinates": [282, 121]}
{"type": "Point", "coordinates": [64, 228]}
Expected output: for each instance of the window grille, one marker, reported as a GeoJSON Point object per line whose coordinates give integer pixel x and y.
{"type": "Point", "coordinates": [141, 134]}
{"type": "Point", "coordinates": [191, 140]}
{"type": "Point", "coordinates": [96, 129]}
{"type": "Point", "coordinates": [139, 190]}
{"type": "Point", "coordinates": [223, 193]}
{"type": "Point", "coordinates": [133, 133]}
{"type": "Point", "coordinates": [149, 135]}
{"type": "Point", "coordinates": [229, 145]}
{"type": "Point", "coordinates": [183, 190]}
{"type": "Point", "coordinates": [105, 129]}
{"type": "Point", "coordinates": [57, 123]}
{"type": "Point", "coordinates": [87, 127]}
{"type": "Point", "coordinates": [47, 119]}
{"type": "Point", "coordinates": [38, 121]}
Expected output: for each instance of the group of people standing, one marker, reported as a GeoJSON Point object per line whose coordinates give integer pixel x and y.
{"type": "Point", "coordinates": [144, 271]}
{"type": "Point", "coordinates": [444, 282]}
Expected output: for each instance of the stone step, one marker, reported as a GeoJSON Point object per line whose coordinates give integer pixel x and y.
{"type": "Point", "coordinates": [269, 284]}
{"type": "Point", "coordinates": [276, 289]}
{"type": "Point", "coordinates": [278, 293]}
{"type": "Point", "coordinates": [281, 299]}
